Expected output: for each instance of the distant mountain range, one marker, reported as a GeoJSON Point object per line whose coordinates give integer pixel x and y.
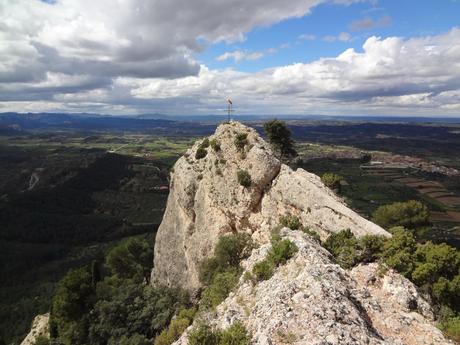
{"type": "Point", "coordinates": [11, 123]}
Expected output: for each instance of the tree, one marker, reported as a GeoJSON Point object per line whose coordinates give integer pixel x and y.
{"type": "Point", "coordinates": [134, 311]}
{"type": "Point", "coordinates": [71, 303]}
{"type": "Point", "coordinates": [280, 137]}
{"type": "Point", "coordinates": [398, 251]}
{"type": "Point", "coordinates": [132, 259]}
{"type": "Point", "coordinates": [412, 215]}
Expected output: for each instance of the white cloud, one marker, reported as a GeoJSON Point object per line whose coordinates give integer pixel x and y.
{"type": "Point", "coordinates": [390, 75]}
{"type": "Point", "coordinates": [92, 43]}
{"type": "Point", "coordinates": [239, 55]}
{"type": "Point", "coordinates": [134, 56]}
{"type": "Point", "coordinates": [125, 38]}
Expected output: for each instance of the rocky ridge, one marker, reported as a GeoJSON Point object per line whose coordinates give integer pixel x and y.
{"type": "Point", "coordinates": [310, 299]}
{"type": "Point", "coordinates": [313, 301]}
{"type": "Point", "coordinates": [206, 201]}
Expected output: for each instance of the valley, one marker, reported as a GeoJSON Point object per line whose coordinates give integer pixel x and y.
{"type": "Point", "coordinates": [67, 195]}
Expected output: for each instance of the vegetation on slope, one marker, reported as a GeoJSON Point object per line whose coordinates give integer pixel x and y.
{"type": "Point", "coordinates": [221, 272]}
{"type": "Point", "coordinates": [113, 303]}
{"type": "Point", "coordinates": [412, 215]}
{"type": "Point", "coordinates": [435, 268]}
{"type": "Point", "coordinates": [236, 334]}
{"type": "Point", "coordinates": [280, 252]}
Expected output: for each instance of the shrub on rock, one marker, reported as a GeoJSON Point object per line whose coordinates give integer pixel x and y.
{"type": "Point", "coordinates": [244, 178]}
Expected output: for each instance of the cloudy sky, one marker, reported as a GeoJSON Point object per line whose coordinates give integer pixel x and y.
{"type": "Point", "coordinates": [346, 57]}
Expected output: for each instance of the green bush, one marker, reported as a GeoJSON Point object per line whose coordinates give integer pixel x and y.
{"type": "Point", "coordinates": [215, 145]}
{"type": "Point", "coordinates": [370, 248]}
{"type": "Point", "coordinates": [200, 153]}
{"type": "Point", "coordinates": [244, 178]}
{"type": "Point", "coordinates": [451, 327]}
{"type": "Point", "coordinates": [290, 221]}
{"type": "Point", "coordinates": [222, 271]}
{"type": "Point", "coordinates": [312, 233]}
{"type": "Point", "coordinates": [42, 340]}
{"type": "Point", "coordinates": [348, 251]}
{"type": "Point", "coordinates": [203, 335]}
{"type": "Point", "coordinates": [228, 253]}
{"type": "Point", "coordinates": [263, 270]}
{"type": "Point", "coordinates": [331, 180]}
{"type": "Point", "coordinates": [136, 339]}
{"type": "Point", "coordinates": [280, 252]}
{"type": "Point", "coordinates": [342, 246]}
{"type": "Point", "coordinates": [222, 284]}
{"type": "Point", "coordinates": [434, 267]}
{"type": "Point", "coordinates": [398, 251]}
{"type": "Point", "coordinates": [205, 143]}
{"type": "Point", "coordinates": [236, 334]}
{"type": "Point", "coordinates": [132, 259]}
{"type": "Point", "coordinates": [241, 140]}
{"type": "Point", "coordinates": [176, 327]}
{"type": "Point", "coordinates": [70, 306]}
{"type": "Point", "coordinates": [412, 215]}
{"type": "Point", "coordinates": [128, 309]}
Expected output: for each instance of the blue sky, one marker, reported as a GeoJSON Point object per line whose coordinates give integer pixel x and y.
{"type": "Point", "coordinates": [334, 57]}
{"type": "Point", "coordinates": [403, 18]}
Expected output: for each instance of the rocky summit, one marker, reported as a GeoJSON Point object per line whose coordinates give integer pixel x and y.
{"type": "Point", "coordinates": [310, 299]}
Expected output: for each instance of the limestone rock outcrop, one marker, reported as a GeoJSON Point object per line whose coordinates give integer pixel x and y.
{"type": "Point", "coordinates": [308, 301]}
{"type": "Point", "coordinates": [206, 201]}
{"type": "Point", "coordinates": [40, 327]}
{"type": "Point", "coordinates": [312, 301]}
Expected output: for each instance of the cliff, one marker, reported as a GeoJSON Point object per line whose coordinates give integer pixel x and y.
{"type": "Point", "coordinates": [206, 201]}
{"type": "Point", "coordinates": [310, 299]}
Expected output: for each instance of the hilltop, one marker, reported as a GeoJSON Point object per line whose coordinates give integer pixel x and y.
{"type": "Point", "coordinates": [233, 183]}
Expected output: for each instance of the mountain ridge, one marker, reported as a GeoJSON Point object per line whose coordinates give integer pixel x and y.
{"type": "Point", "coordinates": [308, 300]}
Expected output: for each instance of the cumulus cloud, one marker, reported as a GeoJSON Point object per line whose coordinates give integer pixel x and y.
{"type": "Point", "coordinates": [127, 38]}
{"type": "Point", "coordinates": [138, 56]}
{"type": "Point", "coordinates": [102, 40]}
{"type": "Point", "coordinates": [390, 74]}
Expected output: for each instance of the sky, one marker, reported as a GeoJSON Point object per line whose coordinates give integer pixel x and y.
{"type": "Point", "coordinates": [183, 57]}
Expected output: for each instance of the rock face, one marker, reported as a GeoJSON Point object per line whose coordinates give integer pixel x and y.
{"type": "Point", "coordinates": [206, 201]}
{"type": "Point", "coordinates": [310, 299]}
{"type": "Point", "coordinates": [40, 327]}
